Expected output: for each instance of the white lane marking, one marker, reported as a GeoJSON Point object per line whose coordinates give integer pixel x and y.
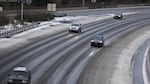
{"type": "Point", "coordinates": [145, 77]}
{"type": "Point", "coordinates": [129, 13]}
{"type": "Point", "coordinates": [74, 75]}
{"type": "Point", "coordinates": [91, 53]}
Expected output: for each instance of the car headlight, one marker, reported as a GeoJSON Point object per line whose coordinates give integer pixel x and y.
{"type": "Point", "coordinates": [92, 40]}
{"type": "Point", "coordinates": [100, 41]}
{"type": "Point", "coordinates": [24, 81]}
{"type": "Point", "coordinates": [77, 27]}
{"type": "Point", "coordinates": [70, 28]}
{"type": "Point", "coordinates": [10, 80]}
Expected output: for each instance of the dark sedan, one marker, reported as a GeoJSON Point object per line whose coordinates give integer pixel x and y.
{"type": "Point", "coordinates": [118, 16]}
{"type": "Point", "coordinates": [97, 41]}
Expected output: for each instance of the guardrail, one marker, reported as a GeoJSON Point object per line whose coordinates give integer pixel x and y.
{"type": "Point", "coordinates": [8, 33]}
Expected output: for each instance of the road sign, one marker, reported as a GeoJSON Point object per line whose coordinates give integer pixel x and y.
{"type": "Point", "coordinates": [25, 1]}
{"type": "Point", "coordinates": [93, 1]}
{"type": "Point", "coordinates": [21, 1]}
{"type": "Point", "coordinates": [51, 7]}
{"type": "Point", "coordinates": [28, 1]}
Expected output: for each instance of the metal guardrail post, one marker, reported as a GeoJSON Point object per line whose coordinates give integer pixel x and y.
{"type": "Point", "coordinates": [10, 32]}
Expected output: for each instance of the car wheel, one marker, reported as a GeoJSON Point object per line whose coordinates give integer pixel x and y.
{"type": "Point", "coordinates": [79, 31]}
{"type": "Point", "coordinates": [102, 45]}
{"type": "Point", "coordinates": [99, 46]}
{"type": "Point", "coordinates": [91, 45]}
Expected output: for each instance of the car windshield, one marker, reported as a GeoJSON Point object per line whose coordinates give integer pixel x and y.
{"type": "Point", "coordinates": [97, 37]}
{"type": "Point", "coordinates": [75, 24]}
{"type": "Point", "coordinates": [118, 14]}
{"type": "Point", "coordinates": [58, 13]}
{"type": "Point", "coordinates": [19, 73]}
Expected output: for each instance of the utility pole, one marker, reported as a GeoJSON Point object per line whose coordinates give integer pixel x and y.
{"type": "Point", "coordinates": [21, 2]}
{"type": "Point", "coordinates": [21, 7]}
{"type": "Point", "coordinates": [22, 10]}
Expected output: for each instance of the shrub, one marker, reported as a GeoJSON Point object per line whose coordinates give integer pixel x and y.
{"type": "Point", "coordinates": [4, 20]}
{"type": "Point", "coordinates": [36, 17]}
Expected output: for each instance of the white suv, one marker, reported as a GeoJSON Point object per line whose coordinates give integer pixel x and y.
{"type": "Point", "coordinates": [75, 27]}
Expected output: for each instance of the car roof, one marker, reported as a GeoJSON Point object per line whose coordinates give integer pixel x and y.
{"type": "Point", "coordinates": [118, 13]}
{"type": "Point", "coordinates": [20, 69]}
{"type": "Point", "coordinates": [76, 23]}
{"type": "Point", "coordinates": [98, 35]}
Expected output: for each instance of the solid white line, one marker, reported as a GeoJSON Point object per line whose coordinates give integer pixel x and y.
{"type": "Point", "coordinates": [145, 77]}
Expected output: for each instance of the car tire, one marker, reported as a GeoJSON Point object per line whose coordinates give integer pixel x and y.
{"type": "Point", "coordinates": [102, 45]}
{"type": "Point", "coordinates": [98, 46]}
{"type": "Point", "coordinates": [79, 31]}
{"type": "Point", "coordinates": [92, 45]}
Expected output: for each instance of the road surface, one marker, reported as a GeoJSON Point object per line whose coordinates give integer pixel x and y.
{"type": "Point", "coordinates": [68, 58]}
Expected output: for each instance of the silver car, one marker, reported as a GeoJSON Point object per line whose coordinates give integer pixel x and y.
{"type": "Point", "coordinates": [75, 27]}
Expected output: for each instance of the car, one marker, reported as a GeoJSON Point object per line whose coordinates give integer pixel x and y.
{"type": "Point", "coordinates": [97, 41]}
{"type": "Point", "coordinates": [19, 75]}
{"type": "Point", "coordinates": [59, 14]}
{"type": "Point", "coordinates": [118, 16]}
{"type": "Point", "coordinates": [75, 27]}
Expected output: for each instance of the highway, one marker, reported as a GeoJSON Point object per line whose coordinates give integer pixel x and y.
{"type": "Point", "coordinates": [68, 58]}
